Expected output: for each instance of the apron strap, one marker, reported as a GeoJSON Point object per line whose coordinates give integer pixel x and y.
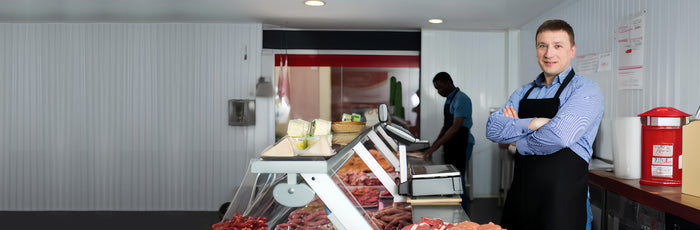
{"type": "Point", "coordinates": [565, 83]}
{"type": "Point", "coordinates": [561, 88]}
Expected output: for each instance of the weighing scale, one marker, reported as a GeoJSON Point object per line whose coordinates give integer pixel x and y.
{"type": "Point", "coordinates": [432, 190]}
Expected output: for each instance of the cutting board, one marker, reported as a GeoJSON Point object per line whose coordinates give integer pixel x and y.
{"type": "Point", "coordinates": [435, 200]}
{"type": "Point", "coordinates": [690, 182]}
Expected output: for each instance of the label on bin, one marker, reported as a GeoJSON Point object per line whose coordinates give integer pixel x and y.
{"type": "Point", "coordinates": [662, 171]}
{"type": "Point", "coordinates": [662, 161]}
{"type": "Point", "coordinates": [663, 150]}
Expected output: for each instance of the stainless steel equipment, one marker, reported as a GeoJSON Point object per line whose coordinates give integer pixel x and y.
{"type": "Point", "coordinates": [433, 190]}
{"type": "Point", "coordinates": [399, 133]}
{"type": "Point", "coordinates": [432, 180]}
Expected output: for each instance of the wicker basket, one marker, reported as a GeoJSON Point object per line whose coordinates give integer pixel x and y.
{"type": "Point", "coordinates": [344, 138]}
{"type": "Point", "coordinates": [347, 127]}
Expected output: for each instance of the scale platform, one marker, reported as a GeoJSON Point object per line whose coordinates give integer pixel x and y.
{"type": "Point", "coordinates": [432, 180]}
{"type": "Point", "coordinates": [434, 192]}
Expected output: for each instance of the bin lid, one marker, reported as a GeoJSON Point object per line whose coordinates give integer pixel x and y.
{"type": "Point", "coordinates": [664, 112]}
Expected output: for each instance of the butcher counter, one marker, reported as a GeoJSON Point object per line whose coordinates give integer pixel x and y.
{"type": "Point", "coordinates": [625, 204]}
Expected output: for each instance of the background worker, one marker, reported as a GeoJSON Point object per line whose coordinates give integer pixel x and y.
{"type": "Point", "coordinates": [454, 137]}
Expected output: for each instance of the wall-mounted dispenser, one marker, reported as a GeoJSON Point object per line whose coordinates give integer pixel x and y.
{"type": "Point", "coordinates": [241, 112]}
{"type": "Point", "coordinates": [264, 88]}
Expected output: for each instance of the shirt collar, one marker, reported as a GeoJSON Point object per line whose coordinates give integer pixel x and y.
{"type": "Point", "coordinates": [539, 81]}
{"type": "Point", "coordinates": [453, 93]}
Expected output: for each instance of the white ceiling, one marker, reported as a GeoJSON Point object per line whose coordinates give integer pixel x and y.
{"type": "Point", "coordinates": [337, 14]}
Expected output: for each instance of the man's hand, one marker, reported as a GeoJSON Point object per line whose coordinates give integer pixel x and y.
{"type": "Point", "coordinates": [510, 112]}
{"type": "Point", "coordinates": [510, 147]}
{"type": "Point", "coordinates": [428, 154]}
{"type": "Point", "coordinates": [536, 123]}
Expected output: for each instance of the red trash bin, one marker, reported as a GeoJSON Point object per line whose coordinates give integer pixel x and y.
{"type": "Point", "coordinates": [662, 137]}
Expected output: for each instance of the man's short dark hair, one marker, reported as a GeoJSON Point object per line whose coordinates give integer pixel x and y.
{"type": "Point", "coordinates": [442, 77]}
{"type": "Point", "coordinates": [555, 25]}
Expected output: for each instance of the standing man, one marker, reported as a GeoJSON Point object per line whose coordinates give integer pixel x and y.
{"type": "Point", "coordinates": [455, 138]}
{"type": "Point", "coordinates": [552, 122]}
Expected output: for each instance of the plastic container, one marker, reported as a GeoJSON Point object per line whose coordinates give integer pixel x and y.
{"type": "Point", "coordinates": [627, 156]}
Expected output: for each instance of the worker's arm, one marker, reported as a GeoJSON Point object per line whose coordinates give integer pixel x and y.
{"type": "Point", "coordinates": [446, 136]}
{"type": "Point", "coordinates": [579, 114]}
{"type": "Point", "coordinates": [534, 124]}
{"type": "Point", "coordinates": [504, 126]}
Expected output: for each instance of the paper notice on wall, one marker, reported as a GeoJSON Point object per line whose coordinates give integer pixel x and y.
{"type": "Point", "coordinates": [605, 62]}
{"type": "Point", "coordinates": [630, 44]}
{"type": "Point", "coordinates": [587, 64]}
{"type": "Point", "coordinates": [630, 40]}
{"type": "Point", "coordinates": [593, 62]}
{"type": "Point", "coordinates": [630, 78]}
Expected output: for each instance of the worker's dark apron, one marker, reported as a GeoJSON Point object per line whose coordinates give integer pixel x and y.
{"type": "Point", "coordinates": [455, 149]}
{"type": "Point", "coordinates": [549, 192]}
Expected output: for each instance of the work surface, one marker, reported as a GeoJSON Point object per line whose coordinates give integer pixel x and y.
{"type": "Point", "coordinates": [663, 198]}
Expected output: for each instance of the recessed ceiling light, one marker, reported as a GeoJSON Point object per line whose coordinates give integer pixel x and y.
{"type": "Point", "coordinates": [314, 3]}
{"type": "Point", "coordinates": [435, 21]}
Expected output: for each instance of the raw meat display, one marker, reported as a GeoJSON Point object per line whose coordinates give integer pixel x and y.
{"type": "Point", "coordinates": [489, 226]}
{"type": "Point", "coordinates": [393, 218]}
{"type": "Point", "coordinates": [354, 178]}
{"type": "Point", "coordinates": [373, 181]}
{"type": "Point", "coordinates": [302, 219]}
{"type": "Point", "coordinates": [315, 205]}
{"type": "Point", "coordinates": [240, 222]}
{"type": "Point", "coordinates": [386, 194]}
{"type": "Point", "coordinates": [367, 196]}
{"type": "Point", "coordinates": [355, 163]}
{"type": "Point", "coordinates": [466, 225]}
{"type": "Point", "coordinates": [428, 224]}
{"type": "Point", "coordinates": [358, 178]}
{"type": "Point", "coordinates": [438, 224]}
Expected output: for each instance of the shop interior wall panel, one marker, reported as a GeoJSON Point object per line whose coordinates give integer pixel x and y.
{"type": "Point", "coordinates": [477, 63]}
{"type": "Point", "coordinates": [123, 116]}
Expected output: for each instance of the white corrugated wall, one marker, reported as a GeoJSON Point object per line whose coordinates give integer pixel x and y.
{"type": "Point", "coordinates": [125, 116]}
{"type": "Point", "coordinates": [478, 65]}
{"type": "Point", "coordinates": [671, 62]}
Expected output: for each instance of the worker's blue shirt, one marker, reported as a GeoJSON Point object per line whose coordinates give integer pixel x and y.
{"type": "Point", "coordinates": [575, 126]}
{"type": "Point", "coordinates": [460, 105]}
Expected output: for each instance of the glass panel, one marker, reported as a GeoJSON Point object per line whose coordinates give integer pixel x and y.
{"type": "Point", "coordinates": [365, 190]}
{"type": "Point", "coordinates": [346, 85]}
{"type": "Point", "coordinates": [361, 89]}
{"type": "Point", "coordinates": [255, 199]}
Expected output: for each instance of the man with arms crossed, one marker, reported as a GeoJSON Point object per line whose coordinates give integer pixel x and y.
{"type": "Point", "coordinates": [552, 122]}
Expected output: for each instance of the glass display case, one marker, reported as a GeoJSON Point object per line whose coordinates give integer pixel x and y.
{"type": "Point", "coordinates": [345, 190]}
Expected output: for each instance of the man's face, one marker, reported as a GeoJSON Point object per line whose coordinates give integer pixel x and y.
{"type": "Point", "coordinates": [443, 88]}
{"type": "Point", "coordinates": [554, 52]}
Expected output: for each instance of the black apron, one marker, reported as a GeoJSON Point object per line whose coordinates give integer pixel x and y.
{"type": "Point", "coordinates": [548, 192]}
{"type": "Point", "coordinates": [455, 149]}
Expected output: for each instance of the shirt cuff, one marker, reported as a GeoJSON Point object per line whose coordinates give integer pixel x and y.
{"type": "Point", "coordinates": [522, 126]}
{"type": "Point", "coordinates": [521, 144]}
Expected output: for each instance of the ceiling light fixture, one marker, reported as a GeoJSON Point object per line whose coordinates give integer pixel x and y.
{"type": "Point", "coordinates": [435, 21]}
{"type": "Point", "coordinates": [314, 3]}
